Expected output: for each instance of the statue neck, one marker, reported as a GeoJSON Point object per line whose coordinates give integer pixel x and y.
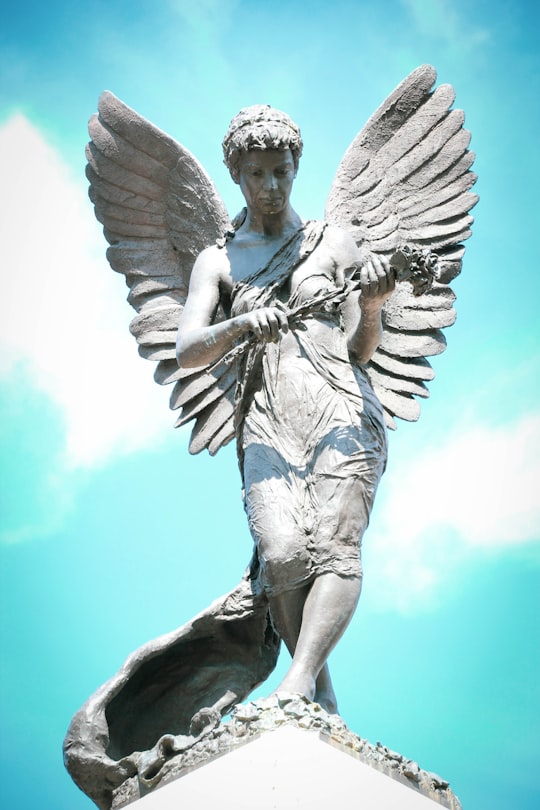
{"type": "Point", "coordinates": [272, 225]}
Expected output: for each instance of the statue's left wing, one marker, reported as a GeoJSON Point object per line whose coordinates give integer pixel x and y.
{"type": "Point", "coordinates": [159, 210]}
{"type": "Point", "coordinates": [404, 181]}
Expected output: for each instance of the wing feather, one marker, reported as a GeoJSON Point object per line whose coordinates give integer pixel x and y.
{"type": "Point", "coordinates": [148, 259]}
{"type": "Point", "coordinates": [111, 173]}
{"type": "Point", "coordinates": [209, 397]}
{"type": "Point", "coordinates": [448, 189]}
{"type": "Point", "coordinates": [414, 368]}
{"type": "Point", "coordinates": [430, 178]}
{"type": "Point", "coordinates": [400, 385]}
{"type": "Point", "coordinates": [223, 436]}
{"type": "Point", "coordinates": [408, 318]}
{"type": "Point", "coordinates": [401, 405]}
{"type": "Point", "coordinates": [199, 404]}
{"type": "Point", "coordinates": [159, 210]}
{"type": "Point", "coordinates": [217, 419]}
{"type": "Point", "coordinates": [167, 372]}
{"type": "Point", "coordinates": [457, 206]}
{"type": "Point", "coordinates": [190, 387]}
{"type": "Point", "coordinates": [157, 351]}
{"type": "Point", "coordinates": [413, 344]}
{"type": "Point", "coordinates": [450, 261]}
{"type": "Point", "coordinates": [406, 180]}
{"type": "Point", "coordinates": [137, 216]}
{"type": "Point", "coordinates": [113, 146]}
{"type": "Point", "coordinates": [103, 190]}
{"type": "Point", "coordinates": [405, 142]}
{"type": "Point", "coordinates": [116, 230]}
{"type": "Point", "coordinates": [135, 129]}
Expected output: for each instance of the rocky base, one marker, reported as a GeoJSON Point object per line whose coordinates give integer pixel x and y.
{"type": "Point", "coordinates": [250, 720]}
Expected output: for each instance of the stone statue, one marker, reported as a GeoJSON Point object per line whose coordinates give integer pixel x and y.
{"type": "Point", "coordinates": [301, 340]}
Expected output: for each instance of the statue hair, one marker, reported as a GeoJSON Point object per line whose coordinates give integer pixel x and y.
{"type": "Point", "coordinates": [260, 127]}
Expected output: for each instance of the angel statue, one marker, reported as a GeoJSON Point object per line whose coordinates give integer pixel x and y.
{"type": "Point", "coordinates": [301, 340]}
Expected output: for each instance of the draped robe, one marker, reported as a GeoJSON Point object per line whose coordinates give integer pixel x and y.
{"type": "Point", "coordinates": [312, 446]}
{"type": "Point", "coordinates": [310, 430]}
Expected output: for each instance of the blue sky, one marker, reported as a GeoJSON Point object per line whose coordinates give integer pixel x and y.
{"type": "Point", "coordinates": [111, 534]}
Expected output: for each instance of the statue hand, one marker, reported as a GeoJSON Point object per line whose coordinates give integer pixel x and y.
{"type": "Point", "coordinates": [377, 282]}
{"type": "Point", "coordinates": [266, 323]}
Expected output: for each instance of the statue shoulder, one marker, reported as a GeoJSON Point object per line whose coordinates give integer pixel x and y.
{"type": "Point", "coordinates": [211, 266]}
{"type": "Point", "coordinates": [341, 245]}
{"type": "Point", "coordinates": [212, 256]}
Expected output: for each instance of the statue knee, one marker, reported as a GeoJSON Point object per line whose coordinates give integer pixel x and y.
{"type": "Point", "coordinates": [283, 569]}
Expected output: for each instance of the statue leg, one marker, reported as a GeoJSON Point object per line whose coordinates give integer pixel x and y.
{"type": "Point", "coordinates": [287, 610]}
{"type": "Point", "coordinates": [325, 611]}
{"type": "Point", "coordinates": [342, 488]}
{"type": "Point", "coordinates": [310, 618]}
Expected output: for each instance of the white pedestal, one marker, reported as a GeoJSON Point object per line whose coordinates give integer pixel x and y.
{"type": "Point", "coordinates": [282, 769]}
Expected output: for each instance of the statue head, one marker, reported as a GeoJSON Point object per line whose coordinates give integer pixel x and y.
{"type": "Point", "coordinates": [260, 127]}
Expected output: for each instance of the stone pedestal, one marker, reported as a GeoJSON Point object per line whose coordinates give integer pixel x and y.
{"type": "Point", "coordinates": [282, 769]}
{"type": "Point", "coordinates": [279, 753]}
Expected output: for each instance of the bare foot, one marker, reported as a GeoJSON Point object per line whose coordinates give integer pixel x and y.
{"type": "Point", "coordinates": [299, 683]}
{"type": "Point", "coordinates": [327, 700]}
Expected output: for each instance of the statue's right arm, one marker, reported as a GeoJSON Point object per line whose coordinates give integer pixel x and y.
{"type": "Point", "coordinates": [200, 341]}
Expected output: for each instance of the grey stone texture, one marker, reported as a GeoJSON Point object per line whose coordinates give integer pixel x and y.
{"type": "Point", "coordinates": [300, 340]}
{"type": "Point", "coordinates": [251, 720]}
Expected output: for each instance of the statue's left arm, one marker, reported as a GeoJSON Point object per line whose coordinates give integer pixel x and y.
{"type": "Point", "coordinates": [362, 309]}
{"type": "Point", "coordinates": [377, 282]}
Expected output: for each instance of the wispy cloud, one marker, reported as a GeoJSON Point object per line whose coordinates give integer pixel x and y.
{"type": "Point", "coordinates": [475, 492]}
{"type": "Point", "coordinates": [440, 19]}
{"type": "Point", "coordinates": [63, 314]}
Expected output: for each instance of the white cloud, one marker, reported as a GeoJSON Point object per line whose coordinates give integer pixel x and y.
{"type": "Point", "coordinates": [62, 310]}
{"type": "Point", "coordinates": [439, 19]}
{"type": "Point", "coordinates": [482, 483]}
{"type": "Point", "coordinates": [475, 492]}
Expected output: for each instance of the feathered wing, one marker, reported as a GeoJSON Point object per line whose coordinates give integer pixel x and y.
{"type": "Point", "coordinates": [405, 180]}
{"type": "Point", "coordinates": [159, 210]}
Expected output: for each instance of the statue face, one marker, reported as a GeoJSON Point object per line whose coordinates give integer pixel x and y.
{"type": "Point", "coordinates": [266, 178]}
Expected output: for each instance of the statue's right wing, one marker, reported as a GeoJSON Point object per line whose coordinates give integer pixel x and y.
{"type": "Point", "coordinates": [159, 210]}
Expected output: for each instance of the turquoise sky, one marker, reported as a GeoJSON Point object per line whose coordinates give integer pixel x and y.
{"type": "Point", "coordinates": [111, 534]}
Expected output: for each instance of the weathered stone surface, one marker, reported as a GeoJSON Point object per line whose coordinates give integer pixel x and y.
{"type": "Point", "coordinates": [280, 346]}
{"type": "Point", "coordinates": [251, 720]}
